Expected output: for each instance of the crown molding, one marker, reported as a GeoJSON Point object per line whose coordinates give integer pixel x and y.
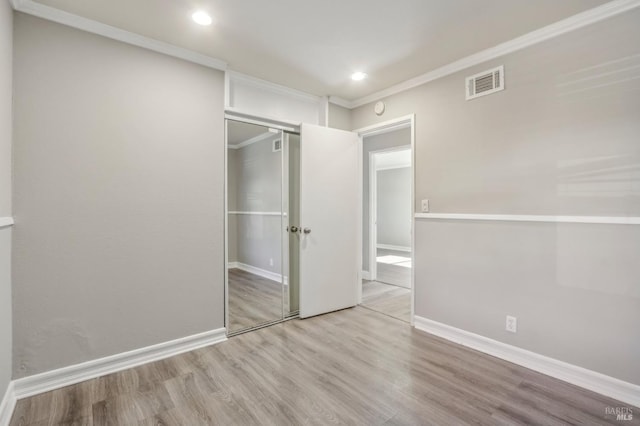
{"type": "Point", "coordinates": [340, 102]}
{"type": "Point", "coordinates": [564, 26]}
{"type": "Point", "coordinates": [30, 7]}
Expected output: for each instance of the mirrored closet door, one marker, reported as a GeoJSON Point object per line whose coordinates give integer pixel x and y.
{"type": "Point", "coordinates": [259, 237]}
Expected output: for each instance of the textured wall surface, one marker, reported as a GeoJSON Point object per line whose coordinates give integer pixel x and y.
{"type": "Point", "coordinates": [6, 71]}
{"type": "Point", "coordinates": [119, 192]}
{"type": "Point", "coordinates": [255, 185]}
{"type": "Point", "coordinates": [339, 117]}
{"type": "Point", "coordinates": [394, 207]}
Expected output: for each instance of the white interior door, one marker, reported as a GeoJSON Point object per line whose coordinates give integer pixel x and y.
{"type": "Point", "coordinates": [329, 209]}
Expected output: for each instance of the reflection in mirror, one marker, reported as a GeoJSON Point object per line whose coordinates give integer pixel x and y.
{"type": "Point", "coordinates": [255, 223]}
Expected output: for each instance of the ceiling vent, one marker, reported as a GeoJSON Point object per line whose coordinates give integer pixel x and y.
{"type": "Point", "coordinates": [485, 83]}
{"type": "Point", "coordinates": [277, 145]}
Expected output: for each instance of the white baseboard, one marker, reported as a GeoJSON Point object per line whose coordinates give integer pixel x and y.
{"type": "Point", "coordinates": [588, 379]}
{"type": "Point", "coordinates": [7, 405]}
{"type": "Point", "coordinates": [54, 379]}
{"type": "Point", "coordinates": [366, 275]}
{"type": "Point", "coordinates": [273, 276]}
{"type": "Point", "coordinates": [392, 247]}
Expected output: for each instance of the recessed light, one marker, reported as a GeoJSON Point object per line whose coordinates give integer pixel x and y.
{"type": "Point", "coordinates": [201, 17]}
{"type": "Point", "coordinates": [358, 76]}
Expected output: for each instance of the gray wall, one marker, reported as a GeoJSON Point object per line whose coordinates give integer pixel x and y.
{"type": "Point", "coordinates": [394, 207]}
{"type": "Point", "coordinates": [6, 87]}
{"type": "Point", "coordinates": [561, 139]}
{"type": "Point", "coordinates": [392, 139]}
{"type": "Point", "coordinates": [6, 62]}
{"type": "Point", "coordinates": [255, 185]}
{"type": "Point", "coordinates": [118, 197]}
{"type": "Point", "coordinates": [339, 117]}
{"type": "Point", "coordinates": [232, 219]}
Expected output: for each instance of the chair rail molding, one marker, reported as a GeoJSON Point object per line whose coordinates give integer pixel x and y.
{"type": "Point", "coordinates": [6, 222]}
{"type": "Point", "coordinates": [611, 220]}
{"type": "Point", "coordinates": [257, 213]}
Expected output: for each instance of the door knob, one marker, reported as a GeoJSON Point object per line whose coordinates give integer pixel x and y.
{"type": "Point", "coordinates": [293, 229]}
{"type": "Point", "coordinates": [307, 231]}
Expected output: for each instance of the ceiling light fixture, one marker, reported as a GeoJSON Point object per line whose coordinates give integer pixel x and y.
{"type": "Point", "coordinates": [201, 17]}
{"type": "Point", "coordinates": [358, 76]}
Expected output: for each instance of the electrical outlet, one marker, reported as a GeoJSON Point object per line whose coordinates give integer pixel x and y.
{"type": "Point", "coordinates": [512, 324]}
{"type": "Point", "coordinates": [270, 262]}
{"type": "Point", "coordinates": [425, 206]}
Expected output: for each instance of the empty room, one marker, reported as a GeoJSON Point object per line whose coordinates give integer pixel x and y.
{"type": "Point", "coordinates": [417, 212]}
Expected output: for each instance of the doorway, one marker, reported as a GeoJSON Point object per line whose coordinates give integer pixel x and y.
{"type": "Point", "coordinates": [387, 191]}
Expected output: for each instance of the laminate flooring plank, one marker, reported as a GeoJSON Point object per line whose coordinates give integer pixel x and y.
{"type": "Point", "coordinates": [393, 273]}
{"type": "Point", "coordinates": [387, 299]}
{"type": "Point", "coordinates": [352, 367]}
{"type": "Point", "coordinates": [253, 300]}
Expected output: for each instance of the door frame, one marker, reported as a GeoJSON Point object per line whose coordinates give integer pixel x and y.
{"type": "Point", "coordinates": [377, 129]}
{"type": "Point", "coordinates": [373, 206]}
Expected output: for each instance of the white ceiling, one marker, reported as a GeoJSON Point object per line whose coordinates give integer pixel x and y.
{"type": "Point", "coordinates": [393, 159]}
{"type": "Point", "coordinates": [314, 45]}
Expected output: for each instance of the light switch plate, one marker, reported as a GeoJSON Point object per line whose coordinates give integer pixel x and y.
{"type": "Point", "coordinates": [425, 206]}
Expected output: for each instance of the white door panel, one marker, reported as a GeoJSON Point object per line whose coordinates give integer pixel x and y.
{"type": "Point", "coordinates": [330, 205]}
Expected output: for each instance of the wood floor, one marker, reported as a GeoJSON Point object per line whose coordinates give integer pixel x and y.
{"type": "Point", "coordinates": [393, 267]}
{"type": "Point", "coordinates": [353, 367]}
{"type": "Point", "coordinates": [387, 299]}
{"type": "Point", "coordinates": [253, 300]}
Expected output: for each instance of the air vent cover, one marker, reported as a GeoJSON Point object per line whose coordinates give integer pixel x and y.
{"type": "Point", "coordinates": [277, 145]}
{"type": "Point", "coordinates": [485, 83]}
